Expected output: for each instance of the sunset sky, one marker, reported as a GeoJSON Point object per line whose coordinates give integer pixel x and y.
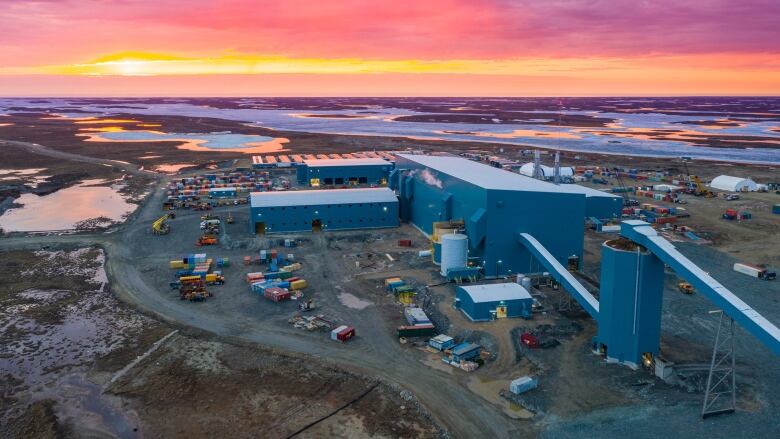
{"type": "Point", "coordinates": [388, 48]}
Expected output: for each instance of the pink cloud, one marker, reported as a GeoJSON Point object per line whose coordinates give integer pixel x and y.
{"type": "Point", "coordinates": [52, 32]}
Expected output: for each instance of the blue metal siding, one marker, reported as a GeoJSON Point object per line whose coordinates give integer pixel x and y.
{"type": "Point", "coordinates": [333, 217]}
{"type": "Point", "coordinates": [555, 219]}
{"type": "Point", "coordinates": [630, 303]}
{"type": "Point", "coordinates": [603, 207]}
{"type": "Point", "coordinates": [366, 174]}
{"type": "Point", "coordinates": [480, 312]}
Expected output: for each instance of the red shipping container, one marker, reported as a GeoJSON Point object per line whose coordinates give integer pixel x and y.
{"type": "Point", "coordinates": [405, 242]}
{"type": "Point", "coordinates": [276, 294]}
{"type": "Point", "coordinates": [666, 219]}
{"type": "Point", "coordinates": [346, 334]}
{"type": "Point", "coordinates": [529, 340]}
{"type": "Point", "coordinates": [731, 212]}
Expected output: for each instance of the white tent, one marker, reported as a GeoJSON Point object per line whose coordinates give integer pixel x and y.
{"type": "Point", "coordinates": [733, 184]}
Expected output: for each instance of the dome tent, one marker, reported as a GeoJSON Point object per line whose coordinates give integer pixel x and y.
{"type": "Point", "coordinates": [733, 184]}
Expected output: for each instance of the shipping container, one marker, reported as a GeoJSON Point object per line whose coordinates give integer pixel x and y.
{"type": "Point", "coordinates": [342, 333]}
{"type": "Point", "coordinates": [390, 280]}
{"type": "Point", "coordinates": [523, 384]}
{"type": "Point", "coordinates": [416, 331]}
{"type": "Point", "coordinates": [276, 294]}
{"type": "Point", "coordinates": [298, 284]}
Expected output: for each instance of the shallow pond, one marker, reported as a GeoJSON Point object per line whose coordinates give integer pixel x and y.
{"type": "Point", "coordinates": [64, 209]}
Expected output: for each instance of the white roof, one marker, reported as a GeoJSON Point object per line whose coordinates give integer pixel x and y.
{"type": "Point", "coordinates": [321, 197]}
{"type": "Point", "coordinates": [442, 338]}
{"type": "Point", "coordinates": [346, 162]}
{"type": "Point", "coordinates": [489, 177]}
{"type": "Point", "coordinates": [496, 292]}
{"type": "Point", "coordinates": [729, 183]}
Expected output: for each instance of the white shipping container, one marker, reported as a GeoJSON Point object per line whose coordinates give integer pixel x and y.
{"type": "Point", "coordinates": [747, 269]}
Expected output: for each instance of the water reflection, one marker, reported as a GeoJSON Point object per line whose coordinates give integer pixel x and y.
{"type": "Point", "coordinates": [246, 143]}
{"type": "Point", "coordinates": [64, 209]}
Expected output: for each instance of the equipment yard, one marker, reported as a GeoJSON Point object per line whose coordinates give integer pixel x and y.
{"type": "Point", "coordinates": [200, 315]}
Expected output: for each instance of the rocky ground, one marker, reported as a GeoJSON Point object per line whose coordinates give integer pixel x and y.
{"type": "Point", "coordinates": [69, 368]}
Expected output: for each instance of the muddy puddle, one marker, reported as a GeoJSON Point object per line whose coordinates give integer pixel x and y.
{"type": "Point", "coordinates": [52, 337]}
{"type": "Point", "coordinates": [352, 301]}
{"type": "Point", "coordinates": [67, 208]}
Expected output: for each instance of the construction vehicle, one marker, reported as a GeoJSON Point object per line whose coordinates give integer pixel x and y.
{"type": "Point", "coordinates": [206, 239]}
{"type": "Point", "coordinates": [209, 216]}
{"type": "Point", "coordinates": [161, 226]}
{"type": "Point", "coordinates": [230, 218]}
{"type": "Point", "coordinates": [698, 188]}
{"type": "Point", "coordinates": [193, 289]}
{"type": "Point", "coordinates": [215, 279]}
{"type": "Point", "coordinates": [685, 288]}
{"type": "Point", "coordinates": [627, 200]}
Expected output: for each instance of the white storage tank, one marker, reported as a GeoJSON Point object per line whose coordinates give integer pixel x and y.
{"type": "Point", "coordinates": [454, 251]}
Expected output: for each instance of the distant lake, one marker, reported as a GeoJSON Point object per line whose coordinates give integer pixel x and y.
{"type": "Point", "coordinates": [623, 137]}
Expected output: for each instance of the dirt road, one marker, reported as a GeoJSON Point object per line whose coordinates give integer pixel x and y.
{"type": "Point", "coordinates": [43, 150]}
{"type": "Point", "coordinates": [452, 406]}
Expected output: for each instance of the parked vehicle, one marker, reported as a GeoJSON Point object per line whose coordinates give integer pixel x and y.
{"type": "Point", "coordinates": [757, 272]}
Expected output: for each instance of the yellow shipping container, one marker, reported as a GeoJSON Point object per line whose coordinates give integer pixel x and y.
{"type": "Point", "coordinates": [189, 278]}
{"type": "Point", "coordinates": [211, 277]}
{"type": "Point", "coordinates": [298, 284]}
{"type": "Point", "coordinates": [390, 280]}
{"type": "Point", "coordinates": [177, 264]}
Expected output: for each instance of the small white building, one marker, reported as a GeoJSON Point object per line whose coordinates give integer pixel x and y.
{"type": "Point", "coordinates": [733, 184]}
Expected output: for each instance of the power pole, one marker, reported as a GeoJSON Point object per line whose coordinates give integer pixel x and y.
{"type": "Point", "coordinates": [720, 396]}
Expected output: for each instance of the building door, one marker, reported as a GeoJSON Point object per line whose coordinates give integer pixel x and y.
{"type": "Point", "coordinates": [316, 225]}
{"type": "Point", "coordinates": [501, 311]}
{"type": "Point", "coordinates": [259, 228]}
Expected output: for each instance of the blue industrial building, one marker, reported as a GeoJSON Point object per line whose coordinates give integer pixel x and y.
{"type": "Point", "coordinates": [496, 206]}
{"type": "Point", "coordinates": [340, 172]}
{"type": "Point", "coordinates": [493, 301]}
{"type": "Point", "coordinates": [326, 209]}
{"type": "Point", "coordinates": [630, 300]}
{"type": "Point", "coordinates": [222, 192]}
{"type": "Point", "coordinates": [465, 351]}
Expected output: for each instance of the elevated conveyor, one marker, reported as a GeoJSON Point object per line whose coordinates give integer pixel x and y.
{"type": "Point", "coordinates": [561, 274]}
{"type": "Point", "coordinates": [641, 233]}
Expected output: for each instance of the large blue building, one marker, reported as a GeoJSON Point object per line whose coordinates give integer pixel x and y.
{"type": "Point", "coordinates": [496, 205]}
{"type": "Point", "coordinates": [326, 209]}
{"type": "Point", "coordinates": [486, 302]}
{"type": "Point", "coordinates": [340, 172]}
